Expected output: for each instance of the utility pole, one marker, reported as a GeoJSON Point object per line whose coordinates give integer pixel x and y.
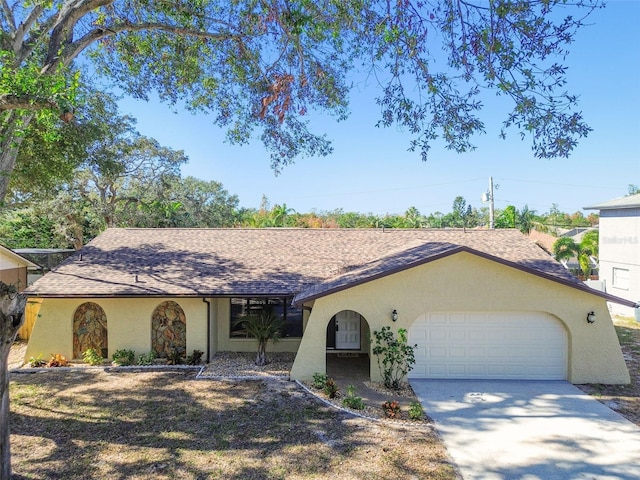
{"type": "Point", "coordinates": [491, 210]}
{"type": "Point", "coordinates": [488, 197]}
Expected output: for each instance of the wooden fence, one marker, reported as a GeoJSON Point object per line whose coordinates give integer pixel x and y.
{"type": "Point", "coordinates": [30, 315]}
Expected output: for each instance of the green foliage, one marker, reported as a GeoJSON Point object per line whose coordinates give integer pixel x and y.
{"type": "Point", "coordinates": [331, 388]}
{"type": "Point", "coordinates": [174, 357]}
{"type": "Point", "coordinates": [92, 357]}
{"type": "Point", "coordinates": [319, 380]}
{"type": "Point", "coordinates": [147, 358]}
{"type": "Point", "coordinates": [415, 411]}
{"type": "Point", "coordinates": [395, 357]}
{"type": "Point", "coordinates": [195, 358]}
{"type": "Point", "coordinates": [351, 400]}
{"type": "Point", "coordinates": [263, 327]}
{"type": "Point", "coordinates": [36, 362]}
{"type": "Point", "coordinates": [123, 357]}
{"type": "Point", "coordinates": [391, 408]}
{"type": "Point", "coordinates": [566, 248]}
{"type": "Point", "coordinates": [259, 68]}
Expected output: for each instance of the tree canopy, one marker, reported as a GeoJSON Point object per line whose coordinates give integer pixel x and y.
{"type": "Point", "coordinates": [264, 66]}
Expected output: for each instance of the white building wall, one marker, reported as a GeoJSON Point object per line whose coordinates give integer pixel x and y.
{"type": "Point", "coordinates": [620, 255]}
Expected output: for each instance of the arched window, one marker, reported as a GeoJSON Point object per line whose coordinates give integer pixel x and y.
{"type": "Point", "coordinates": [90, 330]}
{"type": "Point", "coordinates": [169, 330]}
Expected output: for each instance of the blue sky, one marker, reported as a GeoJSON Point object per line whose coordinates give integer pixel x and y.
{"type": "Point", "coordinates": [371, 171]}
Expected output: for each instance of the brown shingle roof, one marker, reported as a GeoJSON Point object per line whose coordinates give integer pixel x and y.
{"type": "Point", "coordinates": [244, 262]}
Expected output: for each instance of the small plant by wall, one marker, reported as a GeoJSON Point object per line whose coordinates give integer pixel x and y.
{"type": "Point", "coordinates": [319, 380]}
{"type": "Point", "coordinates": [331, 388]}
{"type": "Point", "coordinates": [92, 357]}
{"type": "Point", "coordinates": [395, 357]}
{"type": "Point", "coordinates": [391, 408]}
{"type": "Point", "coordinates": [195, 358]}
{"type": "Point", "coordinates": [57, 360]}
{"type": "Point", "coordinates": [124, 357]}
{"type": "Point", "coordinates": [36, 362]}
{"type": "Point", "coordinates": [351, 400]}
{"type": "Point", "coordinates": [415, 411]}
{"type": "Point", "coordinates": [174, 358]}
{"type": "Point", "coordinates": [147, 358]}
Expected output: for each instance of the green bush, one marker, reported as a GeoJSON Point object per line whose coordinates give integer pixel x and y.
{"type": "Point", "coordinates": [92, 357]}
{"type": "Point", "coordinates": [415, 411]}
{"type": "Point", "coordinates": [319, 380]}
{"type": "Point", "coordinates": [124, 357]}
{"type": "Point", "coordinates": [36, 362]}
{"type": "Point", "coordinates": [195, 358]}
{"type": "Point", "coordinates": [395, 357]}
{"type": "Point", "coordinates": [175, 358]}
{"type": "Point", "coordinates": [351, 400]}
{"type": "Point", "coordinates": [147, 358]}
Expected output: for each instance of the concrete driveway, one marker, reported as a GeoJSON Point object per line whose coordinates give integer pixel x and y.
{"type": "Point", "coordinates": [530, 430]}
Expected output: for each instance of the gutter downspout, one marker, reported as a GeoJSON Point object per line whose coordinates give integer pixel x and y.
{"type": "Point", "coordinates": [208, 328]}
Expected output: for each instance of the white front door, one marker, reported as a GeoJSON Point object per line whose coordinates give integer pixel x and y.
{"type": "Point", "coordinates": [348, 330]}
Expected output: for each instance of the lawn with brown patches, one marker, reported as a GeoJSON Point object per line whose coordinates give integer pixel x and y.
{"type": "Point", "coordinates": [625, 399]}
{"type": "Point", "coordinates": [99, 423]}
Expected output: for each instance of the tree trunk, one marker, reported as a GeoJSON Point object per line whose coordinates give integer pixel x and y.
{"type": "Point", "coordinates": [11, 318]}
{"type": "Point", "coordinates": [261, 358]}
{"type": "Point", "coordinates": [10, 141]}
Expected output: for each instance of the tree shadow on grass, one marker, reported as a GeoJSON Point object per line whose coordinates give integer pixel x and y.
{"type": "Point", "coordinates": [166, 425]}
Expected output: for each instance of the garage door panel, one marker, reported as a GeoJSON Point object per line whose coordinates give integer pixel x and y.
{"type": "Point", "coordinates": [473, 345]}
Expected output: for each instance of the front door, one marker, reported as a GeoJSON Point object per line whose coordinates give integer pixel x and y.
{"type": "Point", "coordinates": [348, 330]}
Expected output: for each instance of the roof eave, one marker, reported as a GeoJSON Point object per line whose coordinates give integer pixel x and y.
{"type": "Point", "coordinates": [299, 300]}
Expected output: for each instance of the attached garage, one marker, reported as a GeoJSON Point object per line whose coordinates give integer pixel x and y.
{"type": "Point", "coordinates": [489, 345]}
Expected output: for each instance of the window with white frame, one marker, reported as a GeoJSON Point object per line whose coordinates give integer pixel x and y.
{"type": "Point", "coordinates": [620, 278]}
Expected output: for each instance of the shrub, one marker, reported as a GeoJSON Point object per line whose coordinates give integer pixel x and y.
{"type": "Point", "coordinates": [174, 358]}
{"type": "Point", "coordinates": [195, 358]}
{"type": "Point", "coordinates": [391, 408]}
{"type": "Point", "coordinates": [395, 357]}
{"type": "Point", "coordinates": [57, 360]}
{"type": "Point", "coordinates": [415, 411]}
{"type": "Point", "coordinates": [319, 380]}
{"type": "Point", "coordinates": [124, 357]}
{"type": "Point", "coordinates": [331, 388]}
{"type": "Point", "coordinates": [351, 400]}
{"type": "Point", "coordinates": [147, 358]}
{"type": "Point", "coordinates": [92, 357]}
{"type": "Point", "coordinates": [36, 362]}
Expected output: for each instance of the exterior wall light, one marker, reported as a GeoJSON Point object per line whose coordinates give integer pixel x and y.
{"type": "Point", "coordinates": [591, 317]}
{"type": "Point", "coordinates": [394, 315]}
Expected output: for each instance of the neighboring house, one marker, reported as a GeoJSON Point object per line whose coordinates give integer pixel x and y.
{"type": "Point", "coordinates": [620, 249]}
{"type": "Point", "coordinates": [14, 268]}
{"type": "Point", "coordinates": [486, 304]}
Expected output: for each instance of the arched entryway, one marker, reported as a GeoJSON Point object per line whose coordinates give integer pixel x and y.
{"type": "Point", "coordinates": [169, 330]}
{"type": "Point", "coordinates": [348, 338]}
{"type": "Point", "coordinates": [90, 330]}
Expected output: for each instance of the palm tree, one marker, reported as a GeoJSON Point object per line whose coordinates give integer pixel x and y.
{"type": "Point", "coordinates": [565, 248]}
{"type": "Point", "coordinates": [263, 327]}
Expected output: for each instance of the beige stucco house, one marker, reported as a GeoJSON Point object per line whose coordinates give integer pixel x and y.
{"type": "Point", "coordinates": [484, 304]}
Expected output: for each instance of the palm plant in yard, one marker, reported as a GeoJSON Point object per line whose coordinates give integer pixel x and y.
{"type": "Point", "coordinates": [565, 248]}
{"type": "Point", "coordinates": [263, 327]}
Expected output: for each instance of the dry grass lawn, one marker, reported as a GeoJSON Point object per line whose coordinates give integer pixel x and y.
{"type": "Point", "coordinates": [625, 399]}
{"type": "Point", "coordinates": [100, 423]}
{"type": "Point", "coordinates": [97, 424]}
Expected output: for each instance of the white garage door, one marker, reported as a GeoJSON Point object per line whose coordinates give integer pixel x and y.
{"type": "Point", "coordinates": [518, 345]}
